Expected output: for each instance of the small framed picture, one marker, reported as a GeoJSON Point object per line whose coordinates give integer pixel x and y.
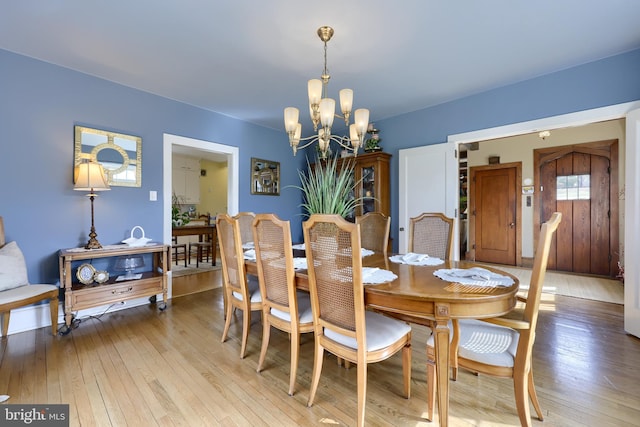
{"type": "Point", "coordinates": [265, 177]}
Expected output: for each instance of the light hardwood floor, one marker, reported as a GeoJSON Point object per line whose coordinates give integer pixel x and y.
{"type": "Point", "coordinates": [141, 367]}
{"type": "Point", "coordinates": [570, 284]}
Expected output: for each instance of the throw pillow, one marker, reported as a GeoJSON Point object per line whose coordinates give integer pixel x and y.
{"type": "Point", "coordinates": [13, 268]}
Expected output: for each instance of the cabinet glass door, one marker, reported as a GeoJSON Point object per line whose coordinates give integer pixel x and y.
{"type": "Point", "coordinates": [368, 191]}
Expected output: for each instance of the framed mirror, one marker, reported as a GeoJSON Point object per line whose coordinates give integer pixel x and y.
{"type": "Point", "coordinates": [265, 177]}
{"type": "Point", "coordinates": [120, 155]}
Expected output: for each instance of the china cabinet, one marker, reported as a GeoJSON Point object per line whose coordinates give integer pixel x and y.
{"type": "Point", "coordinates": [372, 172]}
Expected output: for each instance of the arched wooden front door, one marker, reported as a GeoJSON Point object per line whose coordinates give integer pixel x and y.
{"type": "Point", "coordinates": [581, 181]}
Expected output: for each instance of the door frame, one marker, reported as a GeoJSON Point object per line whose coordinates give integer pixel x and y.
{"type": "Point", "coordinates": [592, 148]}
{"type": "Point", "coordinates": [472, 206]}
{"type": "Point", "coordinates": [631, 112]}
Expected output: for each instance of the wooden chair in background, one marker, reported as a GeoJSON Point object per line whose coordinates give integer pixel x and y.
{"type": "Point", "coordinates": [502, 347]}
{"type": "Point", "coordinates": [283, 307]}
{"type": "Point", "coordinates": [239, 292]}
{"type": "Point", "coordinates": [178, 251]}
{"type": "Point", "coordinates": [374, 231]}
{"type": "Point", "coordinates": [16, 291]}
{"type": "Point", "coordinates": [204, 248]}
{"type": "Point", "coordinates": [245, 219]}
{"type": "Point", "coordinates": [342, 325]}
{"type": "Point", "coordinates": [431, 234]}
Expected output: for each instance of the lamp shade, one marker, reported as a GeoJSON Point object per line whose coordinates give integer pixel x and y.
{"type": "Point", "coordinates": [346, 101]}
{"type": "Point", "coordinates": [290, 119]}
{"type": "Point", "coordinates": [90, 177]}
{"type": "Point", "coordinates": [327, 111]}
{"type": "Point", "coordinates": [314, 89]}
{"type": "Point", "coordinates": [361, 120]}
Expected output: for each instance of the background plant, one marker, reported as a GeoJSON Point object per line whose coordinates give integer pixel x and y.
{"type": "Point", "coordinates": [178, 217]}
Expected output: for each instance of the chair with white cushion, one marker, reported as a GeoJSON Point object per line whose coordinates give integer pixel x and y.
{"type": "Point", "coordinates": [502, 347]}
{"type": "Point", "coordinates": [239, 291]}
{"type": "Point", "coordinates": [283, 307]}
{"type": "Point", "coordinates": [15, 289]}
{"type": "Point", "coordinates": [374, 231]}
{"type": "Point", "coordinates": [342, 325]}
{"type": "Point", "coordinates": [245, 219]}
{"type": "Point", "coordinates": [431, 234]}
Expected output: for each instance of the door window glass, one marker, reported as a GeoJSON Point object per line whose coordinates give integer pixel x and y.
{"type": "Point", "coordinates": [573, 187]}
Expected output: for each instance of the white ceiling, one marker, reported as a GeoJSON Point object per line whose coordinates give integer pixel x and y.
{"type": "Point", "coordinates": [250, 59]}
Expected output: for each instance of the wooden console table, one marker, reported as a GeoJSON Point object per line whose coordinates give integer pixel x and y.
{"type": "Point", "coordinates": [78, 296]}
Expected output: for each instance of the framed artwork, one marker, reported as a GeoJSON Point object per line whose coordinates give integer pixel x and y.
{"type": "Point", "coordinates": [265, 177]}
{"type": "Point", "coordinates": [120, 155]}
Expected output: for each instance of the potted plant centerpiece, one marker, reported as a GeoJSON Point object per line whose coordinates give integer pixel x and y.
{"type": "Point", "coordinates": [327, 189]}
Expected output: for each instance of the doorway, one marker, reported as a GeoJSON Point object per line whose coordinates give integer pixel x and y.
{"type": "Point", "coordinates": [202, 149]}
{"type": "Point", "coordinates": [581, 182]}
{"type": "Point", "coordinates": [495, 213]}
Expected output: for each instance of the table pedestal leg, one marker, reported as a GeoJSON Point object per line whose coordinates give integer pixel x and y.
{"type": "Point", "coordinates": [441, 342]}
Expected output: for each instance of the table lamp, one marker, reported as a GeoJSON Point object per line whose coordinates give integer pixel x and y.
{"type": "Point", "coordinates": [89, 176]}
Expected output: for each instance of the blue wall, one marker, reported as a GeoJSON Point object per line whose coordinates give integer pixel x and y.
{"type": "Point", "coordinates": [40, 103]}
{"type": "Point", "coordinates": [597, 84]}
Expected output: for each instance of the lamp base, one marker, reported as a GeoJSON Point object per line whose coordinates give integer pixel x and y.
{"type": "Point", "coordinates": [93, 242]}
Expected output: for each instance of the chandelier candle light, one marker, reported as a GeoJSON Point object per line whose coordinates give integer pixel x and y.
{"type": "Point", "coordinates": [322, 111]}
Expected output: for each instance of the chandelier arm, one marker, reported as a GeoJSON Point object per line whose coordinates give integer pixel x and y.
{"type": "Point", "coordinates": [311, 139]}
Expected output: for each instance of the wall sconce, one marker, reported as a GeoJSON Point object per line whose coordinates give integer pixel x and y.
{"type": "Point", "coordinates": [544, 134]}
{"type": "Point", "coordinates": [89, 176]}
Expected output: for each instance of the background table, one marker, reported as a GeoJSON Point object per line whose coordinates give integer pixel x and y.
{"type": "Point", "coordinates": [201, 231]}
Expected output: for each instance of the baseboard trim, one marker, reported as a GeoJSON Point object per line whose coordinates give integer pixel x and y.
{"type": "Point", "coordinates": [527, 262]}
{"type": "Point", "coordinates": [32, 317]}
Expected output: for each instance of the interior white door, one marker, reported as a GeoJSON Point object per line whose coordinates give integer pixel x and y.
{"type": "Point", "coordinates": [632, 225]}
{"type": "Point", "coordinates": [428, 182]}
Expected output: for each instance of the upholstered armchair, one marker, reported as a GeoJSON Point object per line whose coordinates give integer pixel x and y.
{"type": "Point", "coordinates": [15, 289]}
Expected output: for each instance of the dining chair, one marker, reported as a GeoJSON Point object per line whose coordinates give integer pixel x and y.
{"type": "Point", "coordinates": [283, 307]}
{"type": "Point", "coordinates": [374, 231]}
{"type": "Point", "coordinates": [342, 326]}
{"type": "Point", "coordinates": [246, 226]}
{"type": "Point", "coordinates": [15, 289]}
{"type": "Point", "coordinates": [203, 248]}
{"type": "Point", "coordinates": [431, 234]}
{"type": "Point", "coordinates": [502, 347]}
{"type": "Point", "coordinates": [177, 249]}
{"type": "Point", "coordinates": [239, 292]}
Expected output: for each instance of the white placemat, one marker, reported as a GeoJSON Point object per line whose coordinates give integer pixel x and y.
{"type": "Point", "coordinates": [366, 252]}
{"type": "Point", "coordinates": [300, 263]}
{"type": "Point", "coordinates": [412, 258]}
{"type": "Point", "coordinates": [301, 247]}
{"type": "Point", "coordinates": [475, 276]}
{"type": "Point", "coordinates": [372, 275]}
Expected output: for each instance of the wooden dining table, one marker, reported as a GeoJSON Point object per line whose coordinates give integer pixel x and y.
{"type": "Point", "coordinates": [417, 296]}
{"type": "Point", "coordinates": [203, 231]}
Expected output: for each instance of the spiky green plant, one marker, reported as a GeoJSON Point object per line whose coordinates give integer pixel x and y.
{"type": "Point", "coordinates": [328, 189]}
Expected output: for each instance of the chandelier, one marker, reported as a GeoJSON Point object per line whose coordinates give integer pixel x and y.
{"type": "Point", "coordinates": [322, 110]}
